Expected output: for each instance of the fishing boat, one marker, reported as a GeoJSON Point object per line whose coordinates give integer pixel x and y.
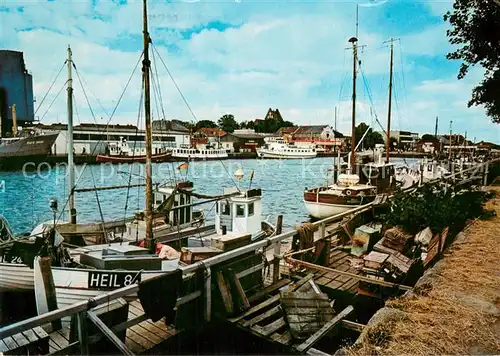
{"type": "Point", "coordinates": [105, 267]}
{"type": "Point", "coordinates": [121, 152]}
{"type": "Point", "coordinates": [362, 182]}
{"type": "Point", "coordinates": [283, 150]}
{"type": "Point", "coordinates": [17, 254]}
{"type": "Point", "coordinates": [114, 265]}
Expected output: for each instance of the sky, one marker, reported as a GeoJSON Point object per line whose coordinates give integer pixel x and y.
{"type": "Point", "coordinates": [243, 57]}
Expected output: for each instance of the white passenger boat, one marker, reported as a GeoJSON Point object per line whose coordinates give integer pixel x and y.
{"type": "Point", "coordinates": [202, 152]}
{"type": "Point", "coordinates": [284, 150]}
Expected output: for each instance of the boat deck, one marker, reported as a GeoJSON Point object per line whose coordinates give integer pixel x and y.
{"type": "Point", "coordinates": [142, 335]}
{"type": "Point", "coordinates": [140, 338]}
{"type": "Point", "coordinates": [339, 260]}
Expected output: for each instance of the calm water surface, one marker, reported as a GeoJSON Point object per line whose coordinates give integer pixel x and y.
{"type": "Point", "coordinates": [25, 195]}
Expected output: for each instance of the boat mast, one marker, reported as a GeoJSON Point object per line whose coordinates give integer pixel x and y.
{"type": "Point", "coordinates": [449, 143]}
{"type": "Point", "coordinates": [147, 108]}
{"type": "Point", "coordinates": [388, 142]}
{"type": "Point", "coordinates": [354, 41]}
{"type": "Point", "coordinates": [71, 170]}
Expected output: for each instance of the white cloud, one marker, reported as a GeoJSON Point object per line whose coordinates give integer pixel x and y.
{"type": "Point", "coordinates": [292, 56]}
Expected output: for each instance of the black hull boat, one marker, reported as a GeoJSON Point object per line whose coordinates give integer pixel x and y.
{"type": "Point", "coordinates": [15, 153]}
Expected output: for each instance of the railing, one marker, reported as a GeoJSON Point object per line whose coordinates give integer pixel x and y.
{"type": "Point", "coordinates": [82, 308]}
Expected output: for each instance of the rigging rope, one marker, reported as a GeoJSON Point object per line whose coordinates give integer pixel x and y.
{"type": "Point", "coordinates": [52, 103]}
{"type": "Point", "coordinates": [93, 151]}
{"type": "Point", "coordinates": [51, 85]}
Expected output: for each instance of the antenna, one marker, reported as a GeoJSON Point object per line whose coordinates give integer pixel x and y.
{"type": "Point", "coordinates": [357, 20]}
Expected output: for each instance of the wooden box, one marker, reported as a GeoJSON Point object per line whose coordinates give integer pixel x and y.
{"type": "Point", "coordinates": [231, 242]}
{"type": "Point", "coordinates": [193, 254]}
{"type": "Point", "coordinates": [375, 260]}
{"type": "Point", "coordinates": [365, 236]}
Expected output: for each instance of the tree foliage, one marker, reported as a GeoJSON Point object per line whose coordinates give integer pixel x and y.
{"type": "Point", "coordinates": [228, 123]}
{"type": "Point", "coordinates": [205, 124]}
{"type": "Point", "coordinates": [428, 137]}
{"type": "Point", "coordinates": [371, 137]}
{"type": "Point", "coordinates": [476, 31]}
{"type": "Point", "coordinates": [435, 207]}
{"type": "Point", "coordinates": [272, 125]}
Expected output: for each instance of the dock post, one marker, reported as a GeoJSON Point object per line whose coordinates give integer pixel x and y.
{"type": "Point", "coordinates": [208, 295]}
{"type": "Point", "coordinates": [83, 336]}
{"type": "Point", "coordinates": [45, 290]}
{"type": "Point", "coordinates": [485, 181]}
{"type": "Point", "coordinates": [322, 230]}
{"type": "Point", "coordinates": [277, 250]}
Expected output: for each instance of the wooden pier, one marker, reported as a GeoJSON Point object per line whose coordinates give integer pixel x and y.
{"type": "Point", "coordinates": [230, 287]}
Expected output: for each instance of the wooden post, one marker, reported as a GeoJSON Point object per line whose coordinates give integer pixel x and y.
{"type": "Point", "coordinates": [83, 336]}
{"type": "Point", "coordinates": [322, 228]}
{"type": "Point", "coordinates": [225, 293]}
{"type": "Point", "coordinates": [45, 290]}
{"type": "Point", "coordinates": [239, 290]}
{"type": "Point", "coordinates": [208, 295]}
{"type": "Point", "coordinates": [109, 333]}
{"type": "Point", "coordinates": [277, 250]}
{"type": "Point", "coordinates": [485, 181]}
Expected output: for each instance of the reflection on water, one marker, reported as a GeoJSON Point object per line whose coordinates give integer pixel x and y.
{"type": "Point", "coordinates": [24, 198]}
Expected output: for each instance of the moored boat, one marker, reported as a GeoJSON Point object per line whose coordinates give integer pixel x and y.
{"type": "Point", "coordinates": [120, 152]}
{"type": "Point", "coordinates": [280, 149]}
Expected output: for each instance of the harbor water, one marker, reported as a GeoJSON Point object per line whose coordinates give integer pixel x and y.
{"type": "Point", "coordinates": [25, 194]}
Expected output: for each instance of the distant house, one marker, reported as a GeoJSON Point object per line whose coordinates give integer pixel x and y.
{"type": "Point", "coordinates": [405, 139]}
{"type": "Point", "coordinates": [245, 140]}
{"type": "Point", "coordinates": [322, 135]}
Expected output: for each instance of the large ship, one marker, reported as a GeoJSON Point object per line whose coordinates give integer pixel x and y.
{"type": "Point", "coordinates": [18, 150]}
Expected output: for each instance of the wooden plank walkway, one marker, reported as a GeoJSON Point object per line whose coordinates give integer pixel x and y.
{"type": "Point", "coordinates": [139, 338]}
{"type": "Point", "coordinates": [339, 260]}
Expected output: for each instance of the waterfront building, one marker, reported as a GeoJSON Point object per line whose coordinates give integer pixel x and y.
{"type": "Point", "coordinates": [16, 88]}
{"type": "Point", "coordinates": [94, 139]}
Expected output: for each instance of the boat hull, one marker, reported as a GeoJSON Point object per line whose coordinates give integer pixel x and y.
{"type": "Point", "coordinates": [321, 206]}
{"type": "Point", "coordinates": [323, 210]}
{"type": "Point", "coordinates": [16, 277]}
{"type": "Point", "coordinates": [164, 157]}
{"type": "Point", "coordinates": [28, 147]}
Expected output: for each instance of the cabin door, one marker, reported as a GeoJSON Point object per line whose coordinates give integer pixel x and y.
{"type": "Point", "coordinates": [226, 216]}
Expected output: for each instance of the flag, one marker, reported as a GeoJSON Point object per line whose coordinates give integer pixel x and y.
{"type": "Point", "coordinates": [183, 166]}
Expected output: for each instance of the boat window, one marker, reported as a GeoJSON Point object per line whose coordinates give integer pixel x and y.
{"type": "Point", "coordinates": [240, 210]}
{"type": "Point", "coordinates": [217, 208]}
{"type": "Point", "coordinates": [182, 199]}
{"type": "Point", "coordinates": [225, 209]}
{"type": "Point", "coordinates": [188, 199]}
{"type": "Point", "coordinates": [250, 209]}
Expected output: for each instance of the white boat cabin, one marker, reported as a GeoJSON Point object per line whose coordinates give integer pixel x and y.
{"type": "Point", "coordinates": [122, 148]}
{"type": "Point", "coordinates": [179, 216]}
{"type": "Point", "coordinates": [239, 214]}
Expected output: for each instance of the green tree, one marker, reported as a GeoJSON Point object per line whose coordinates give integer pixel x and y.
{"type": "Point", "coordinates": [475, 29]}
{"type": "Point", "coordinates": [371, 137]}
{"type": "Point", "coordinates": [205, 124]}
{"type": "Point", "coordinates": [228, 123]}
{"type": "Point", "coordinates": [428, 137]}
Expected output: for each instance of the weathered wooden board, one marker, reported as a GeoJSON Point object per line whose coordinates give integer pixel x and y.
{"type": "Point", "coordinates": [305, 312]}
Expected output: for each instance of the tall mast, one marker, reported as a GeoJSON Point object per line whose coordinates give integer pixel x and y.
{"type": "Point", "coordinates": [449, 143]}
{"type": "Point", "coordinates": [354, 41]}
{"type": "Point", "coordinates": [388, 141]}
{"type": "Point", "coordinates": [71, 168]}
{"type": "Point", "coordinates": [436, 128]}
{"type": "Point", "coordinates": [147, 108]}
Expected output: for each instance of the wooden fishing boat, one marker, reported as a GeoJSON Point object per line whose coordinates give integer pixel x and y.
{"type": "Point", "coordinates": [361, 183]}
